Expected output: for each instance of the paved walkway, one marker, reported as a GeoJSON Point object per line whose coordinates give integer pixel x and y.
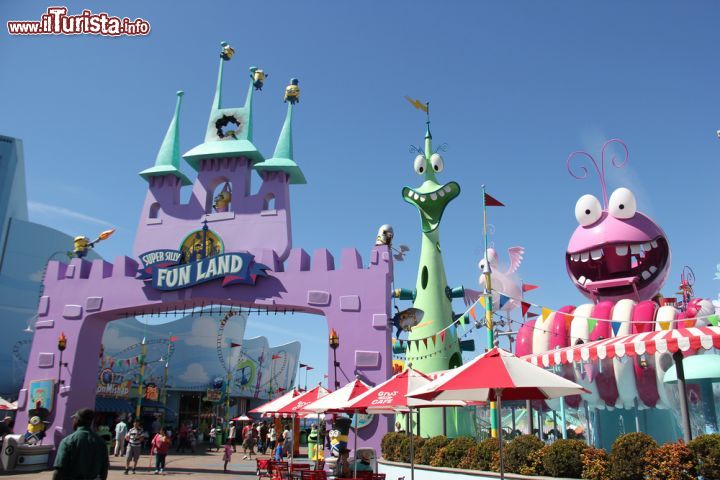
{"type": "Point", "coordinates": [206, 465]}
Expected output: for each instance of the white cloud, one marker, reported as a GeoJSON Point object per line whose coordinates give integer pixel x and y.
{"type": "Point", "coordinates": [40, 208]}
{"type": "Point", "coordinates": [205, 331]}
{"type": "Point", "coordinates": [113, 341]}
{"type": "Point", "coordinates": [194, 373]}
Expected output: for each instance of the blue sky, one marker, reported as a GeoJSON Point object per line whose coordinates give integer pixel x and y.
{"type": "Point", "coordinates": [514, 88]}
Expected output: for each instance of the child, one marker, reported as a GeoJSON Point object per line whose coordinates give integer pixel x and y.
{"type": "Point", "coordinates": [279, 453]}
{"type": "Point", "coordinates": [211, 442]}
{"type": "Point", "coordinates": [160, 446]}
{"type": "Point", "coordinates": [228, 453]}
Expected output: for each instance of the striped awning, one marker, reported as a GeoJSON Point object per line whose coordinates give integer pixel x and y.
{"type": "Point", "coordinates": [684, 340]}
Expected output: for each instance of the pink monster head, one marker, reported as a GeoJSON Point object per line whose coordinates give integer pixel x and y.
{"type": "Point", "coordinates": [616, 252]}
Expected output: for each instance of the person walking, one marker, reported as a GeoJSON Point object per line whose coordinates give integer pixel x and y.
{"type": "Point", "coordinates": [272, 438]}
{"type": "Point", "coordinates": [82, 454]}
{"type": "Point", "coordinates": [287, 441]}
{"type": "Point", "coordinates": [134, 438]}
{"type": "Point", "coordinates": [227, 455]}
{"type": "Point", "coordinates": [263, 439]}
{"type": "Point", "coordinates": [211, 438]}
{"type": "Point", "coordinates": [231, 435]}
{"type": "Point", "coordinates": [121, 430]}
{"type": "Point", "coordinates": [248, 442]}
{"type": "Point", "coordinates": [160, 447]}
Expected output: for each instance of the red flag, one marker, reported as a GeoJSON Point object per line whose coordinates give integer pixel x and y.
{"type": "Point", "coordinates": [425, 340]}
{"type": "Point", "coordinates": [275, 357]}
{"type": "Point", "coordinates": [524, 306]}
{"type": "Point", "coordinates": [442, 336]}
{"type": "Point", "coordinates": [173, 338]}
{"type": "Point", "coordinates": [527, 287]}
{"type": "Point", "coordinates": [531, 315]}
{"type": "Point", "coordinates": [492, 202]}
{"type": "Point", "coordinates": [309, 367]}
{"type": "Point", "coordinates": [233, 344]}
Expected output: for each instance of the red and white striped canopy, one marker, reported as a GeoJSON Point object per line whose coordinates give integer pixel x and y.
{"type": "Point", "coordinates": [661, 341]}
{"type": "Point", "coordinates": [279, 402]}
{"type": "Point", "coordinates": [295, 407]}
{"type": "Point", "coordinates": [497, 370]}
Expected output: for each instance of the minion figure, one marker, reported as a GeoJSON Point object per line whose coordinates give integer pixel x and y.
{"type": "Point", "coordinates": [81, 245]}
{"type": "Point", "coordinates": [292, 92]}
{"type": "Point", "coordinates": [258, 76]}
{"type": "Point", "coordinates": [339, 435]}
{"type": "Point", "coordinates": [227, 51]}
{"type": "Point", "coordinates": [35, 431]}
{"type": "Point", "coordinates": [223, 199]}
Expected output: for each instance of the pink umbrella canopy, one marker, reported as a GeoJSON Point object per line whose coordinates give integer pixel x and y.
{"type": "Point", "coordinates": [296, 405]}
{"type": "Point", "coordinates": [480, 379]}
{"type": "Point", "coordinates": [274, 405]}
{"type": "Point", "coordinates": [390, 396]}
{"type": "Point", "coordinates": [338, 400]}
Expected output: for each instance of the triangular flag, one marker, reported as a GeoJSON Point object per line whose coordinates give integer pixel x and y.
{"type": "Point", "coordinates": [503, 300]}
{"type": "Point", "coordinates": [531, 314]}
{"type": "Point", "coordinates": [545, 313]}
{"type": "Point", "coordinates": [434, 339]}
{"type": "Point", "coordinates": [481, 300]}
{"type": "Point", "coordinates": [275, 357]}
{"type": "Point", "coordinates": [442, 336]}
{"type": "Point", "coordinates": [417, 345]}
{"type": "Point", "coordinates": [173, 338]}
{"type": "Point", "coordinates": [425, 340]}
{"type": "Point", "coordinates": [713, 319]}
{"type": "Point", "coordinates": [492, 202]}
{"type": "Point", "coordinates": [308, 367]}
{"type": "Point", "coordinates": [527, 287]}
{"type": "Point", "coordinates": [234, 345]}
{"type": "Point", "coordinates": [591, 323]}
{"type": "Point", "coordinates": [524, 306]}
{"type": "Point", "coordinates": [472, 312]}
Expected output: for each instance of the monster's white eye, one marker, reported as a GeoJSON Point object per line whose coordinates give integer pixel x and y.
{"type": "Point", "coordinates": [622, 204]}
{"type": "Point", "coordinates": [420, 164]}
{"type": "Point", "coordinates": [588, 210]}
{"type": "Point", "coordinates": [437, 162]}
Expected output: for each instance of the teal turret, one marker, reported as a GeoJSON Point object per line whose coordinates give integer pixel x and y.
{"type": "Point", "coordinates": [168, 158]}
{"type": "Point", "coordinates": [229, 131]}
{"type": "Point", "coordinates": [282, 159]}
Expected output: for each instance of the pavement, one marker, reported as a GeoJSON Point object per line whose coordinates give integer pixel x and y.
{"type": "Point", "coordinates": [202, 465]}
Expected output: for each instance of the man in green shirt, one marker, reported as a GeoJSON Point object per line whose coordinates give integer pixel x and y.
{"type": "Point", "coordinates": [82, 455]}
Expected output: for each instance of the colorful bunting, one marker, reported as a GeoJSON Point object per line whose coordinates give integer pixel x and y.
{"type": "Point", "coordinates": [591, 323]}
{"type": "Point", "coordinates": [425, 341]}
{"type": "Point", "coordinates": [524, 307]}
{"type": "Point", "coordinates": [434, 339]}
{"type": "Point", "coordinates": [442, 336]}
{"type": "Point", "coordinates": [531, 315]}
{"type": "Point", "coordinates": [713, 319]}
{"type": "Point", "coordinates": [481, 300]}
{"type": "Point", "coordinates": [472, 312]}
{"type": "Point", "coordinates": [527, 287]}
{"type": "Point", "coordinates": [503, 300]}
{"type": "Point", "coordinates": [308, 367]}
{"type": "Point", "coordinates": [545, 313]}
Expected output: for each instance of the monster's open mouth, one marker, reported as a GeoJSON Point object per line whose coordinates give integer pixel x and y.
{"type": "Point", "coordinates": [618, 268]}
{"type": "Point", "coordinates": [431, 204]}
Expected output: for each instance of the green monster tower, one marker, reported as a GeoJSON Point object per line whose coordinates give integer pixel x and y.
{"type": "Point", "coordinates": [432, 346]}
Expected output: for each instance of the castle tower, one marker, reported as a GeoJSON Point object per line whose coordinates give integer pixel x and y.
{"type": "Point", "coordinates": [224, 163]}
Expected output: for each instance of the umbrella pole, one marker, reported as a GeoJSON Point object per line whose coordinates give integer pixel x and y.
{"type": "Point", "coordinates": [444, 421]}
{"type": "Point", "coordinates": [292, 440]}
{"type": "Point", "coordinates": [562, 418]}
{"type": "Point", "coordinates": [684, 412]}
{"type": "Point", "coordinates": [355, 414]}
{"type": "Point", "coordinates": [529, 413]}
{"type": "Point", "coordinates": [412, 452]}
{"type": "Point", "coordinates": [498, 393]}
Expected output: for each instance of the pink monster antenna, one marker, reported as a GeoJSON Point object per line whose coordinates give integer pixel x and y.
{"type": "Point", "coordinates": [601, 168]}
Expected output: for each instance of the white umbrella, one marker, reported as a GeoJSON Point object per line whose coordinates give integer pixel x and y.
{"type": "Point", "coordinates": [495, 375]}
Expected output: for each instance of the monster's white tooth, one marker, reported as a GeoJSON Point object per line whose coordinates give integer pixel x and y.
{"type": "Point", "coordinates": [646, 247]}
{"type": "Point", "coordinates": [575, 257]}
{"type": "Point", "coordinates": [410, 193]}
{"type": "Point", "coordinates": [433, 196]}
{"type": "Point", "coordinates": [441, 192]}
{"type": "Point", "coordinates": [416, 196]}
{"type": "Point", "coordinates": [582, 280]}
{"type": "Point", "coordinates": [653, 269]}
{"type": "Point", "coordinates": [584, 256]}
{"type": "Point", "coordinates": [447, 188]}
{"type": "Point", "coordinates": [635, 249]}
{"type": "Point", "coordinates": [596, 254]}
{"type": "Point", "coordinates": [646, 274]}
{"type": "Point", "coordinates": [654, 244]}
{"type": "Point", "coordinates": [422, 198]}
{"type": "Point", "coordinates": [621, 250]}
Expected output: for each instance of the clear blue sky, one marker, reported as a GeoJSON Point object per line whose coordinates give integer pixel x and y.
{"type": "Point", "coordinates": [514, 87]}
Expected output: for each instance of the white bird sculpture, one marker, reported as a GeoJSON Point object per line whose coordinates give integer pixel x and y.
{"type": "Point", "coordinates": [502, 281]}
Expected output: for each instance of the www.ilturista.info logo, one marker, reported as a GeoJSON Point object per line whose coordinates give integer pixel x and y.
{"type": "Point", "coordinates": [56, 21]}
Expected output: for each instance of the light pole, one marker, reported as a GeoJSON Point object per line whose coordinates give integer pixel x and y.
{"type": "Point", "coordinates": [334, 342]}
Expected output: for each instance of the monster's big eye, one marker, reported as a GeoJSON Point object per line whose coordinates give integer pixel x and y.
{"type": "Point", "coordinates": [588, 210]}
{"type": "Point", "coordinates": [622, 204]}
{"type": "Point", "coordinates": [420, 164]}
{"type": "Point", "coordinates": [437, 162]}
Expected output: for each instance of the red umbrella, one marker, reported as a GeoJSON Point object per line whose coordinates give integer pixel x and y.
{"type": "Point", "coordinates": [497, 375]}
{"type": "Point", "coordinates": [279, 402]}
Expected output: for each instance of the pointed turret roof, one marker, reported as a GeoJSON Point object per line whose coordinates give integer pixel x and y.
{"type": "Point", "coordinates": [229, 130]}
{"type": "Point", "coordinates": [168, 158]}
{"type": "Point", "coordinates": [282, 159]}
